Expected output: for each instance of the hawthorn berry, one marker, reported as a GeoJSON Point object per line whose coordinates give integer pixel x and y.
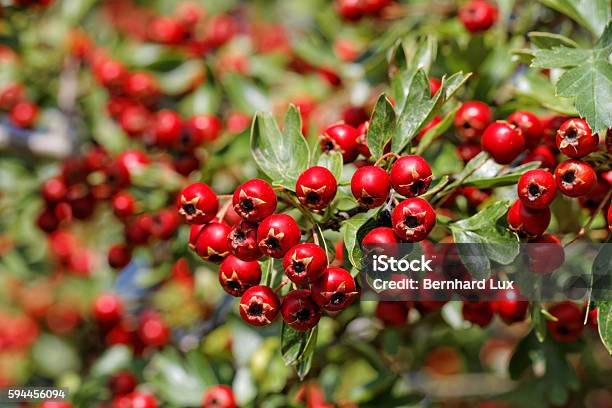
{"type": "Point", "coordinates": [467, 151]}
{"type": "Point", "coordinates": [434, 85]}
{"type": "Point", "coordinates": [609, 216]}
{"type": "Point", "coordinates": [316, 187]}
{"type": "Point", "coordinates": [139, 399]}
{"type": "Point", "coordinates": [184, 163]}
{"type": "Point", "coordinates": [164, 224]}
{"type": "Point", "coordinates": [545, 254]}
{"type": "Point", "coordinates": [349, 9]}
{"type": "Point", "coordinates": [528, 221]}
{"type": "Point", "coordinates": [392, 313]}
{"type": "Point", "coordinates": [242, 241]}
{"type": "Point", "coordinates": [334, 290]}
{"type": "Point", "coordinates": [259, 305]}
{"type": "Point", "coordinates": [138, 231]}
{"type": "Point", "coordinates": [107, 308]}
{"type": "Point", "coordinates": [529, 125]}
{"type": "Point", "coordinates": [47, 221]}
{"type": "Point", "coordinates": [119, 256]}
{"type": "Point", "coordinates": [362, 143]}
{"type": "Point", "coordinates": [410, 176]}
{"type": "Point", "coordinates": [575, 178]}
{"type": "Point", "coordinates": [413, 219]}
{"type": "Point", "coordinates": [472, 119]}
{"type": "Point", "coordinates": [152, 330]}
{"type": "Point", "coordinates": [123, 205]}
{"type": "Point", "coordinates": [591, 201]}
{"type": "Point", "coordinates": [212, 242]}
{"type": "Point", "coordinates": [542, 154]}
{"type": "Point", "coordinates": [569, 324]}
{"type": "Point", "coordinates": [198, 203]}
{"type": "Point", "coordinates": [380, 240]}
{"type": "Point", "coordinates": [537, 188]}
{"type": "Point", "coordinates": [510, 307]}
{"type": "Point", "coordinates": [277, 234]}
{"type": "Point", "coordinates": [299, 311]}
{"type": "Point", "coordinates": [134, 119]}
{"type": "Point", "coordinates": [550, 126]}
{"type": "Point", "coordinates": [24, 114]}
{"type": "Point", "coordinates": [236, 275]}
{"type": "Point", "coordinates": [575, 139]}
{"type": "Point", "coordinates": [122, 382]}
{"type": "Point", "coordinates": [342, 138]}
{"type": "Point", "coordinates": [53, 190]}
{"type": "Point", "coordinates": [167, 128]}
{"type": "Point", "coordinates": [254, 200]}
{"type": "Point", "coordinates": [305, 263]}
{"type": "Point", "coordinates": [477, 15]}
{"type": "Point", "coordinates": [503, 141]}
{"type": "Point", "coordinates": [475, 196]}
{"type": "Point", "coordinates": [142, 86]}
{"type": "Point", "coordinates": [370, 185]}
{"type": "Point", "coordinates": [219, 396]}
{"type": "Point", "coordinates": [430, 125]}
{"type": "Point", "coordinates": [166, 30]}
{"type": "Point", "coordinates": [110, 73]}
{"type": "Point", "coordinates": [477, 312]}
{"type": "Point", "coordinates": [201, 128]}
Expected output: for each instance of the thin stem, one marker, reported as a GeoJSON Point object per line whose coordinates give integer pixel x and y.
{"type": "Point", "coordinates": [459, 183]}
{"type": "Point", "coordinates": [315, 237]}
{"type": "Point", "coordinates": [586, 226]}
{"type": "Point", "coordinates": [385, 156]}
{"type": "Point", "coordinates": [223, 211]}
{"type": "Point", "coordinates": [280, 285]}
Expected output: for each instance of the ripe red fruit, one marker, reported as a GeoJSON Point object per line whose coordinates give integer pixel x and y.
{"type": "Point", "coordinates": [477, 15]}
{"type": "Point", "coordinates": [242, 241]}
{"type": "Point", "coordinates": [341, 138]}
{"type": "Point", "coordinates": [530, 126]}
{"type": "Point", "coordinates": [434, 85]}
{"type": "Point", "coordinates": [123, 205]}
{"type": "Point", "coordinates": [139, 399]}
{"type": "Point", "coordinates": [380, 239]}
{"type": "Point", "coordinates": [119, 256]}
{"type": "Point", "coordinates": [510, 306]}
{"type": "Point", "coordinates": [472, 119]}
{"type": "Point", "coordinates": [575, 178]}
{"type": "Point", "coordinates": [165, 224]}
{"type": "Point", "coordinates": [305, 263]}
{"type": "Point", "coordinates": [277, 234]}
{"type": "Point", "coordinates": [543, 155]}
{"type": "Point", "coordinates": [413, 219]}
{"type": "Point", "coordinates": [392, 313]}
{"type": "Point", "coordinates": [410, 176]}
{"type": "Point", "coordinates": [110, 73]}
{"type": "Point", "coordinates": [316, 187]}
{"type": "Point", "coordinates": [185, 163]}
{"type": "Point", "coordinates": [138, 232]}
{"type": "Point", "coordinates": [219, 396]}
{"type": "Point", "coordinates": [201, 128]}
{"type": "Point", "coordinates": [537, 188]}
{"type": "Point", "coordinates": [53, 190]}
{"type": "Point", "coordinates": [24, 114]}
{"type": "Point", "coordinates": [467, 151]}
{"type": "Point", "coordinates": [254, 200]}
{"type": "Point", "coordinates": [610, 218]}
{"type": "Point", "coordinates": [575, 139]}
{"type": "Point", "coordinates": [480, 313]}
{"type": "Point", "coordinates": [430, 125]}
{"type": "Point", "coordinates": [299, 311]}
{"type": "Point", "coordinates": [349, 9]}
{"type": "Point", "coordinates": [335, 289]}
{"type": "Point", "coordinates": [569, 325]}
{"type": "Point", "coordinates": [122, 382]}
{"type": "Point", "coordinates": [259, 305]}
{"type": "Point", "coordinates": [152, 330]}
{"type": "Point", "coordinates": [198, 203]}
{"type": "Point", "coordinates": [166, 30]}
{"type": "Point", "coordinates": [370, 186]}
{"type": "Point", "coordinates": [212, 242]}
{"type": "Point", "coordinates": [475, 196]}
{"type": "Point", "coordinates": [236, 276]}
{"type": "Point", "coordinates": [550, 125]}
{"type": "Point", "coordinates": [107, 308]}
{"type": "Point", "coordinates": [141, 86]}
{"type": "Point", "coordinates": [167, 128]}
{"type": "Point", "coordinates": [503, 141]}
{"type": "Point", "coordinates": [10, 95]}
{"type": "Point", "coordinates": [134, 119]}
{"type": "Point", "coordinates": [545, 254]}
{"type": "Point", "coordinates": [47, 221]}
{"type": "Point", "coordinates": [362, 143]}
{"type": "Point", "coordinates": [220, 29]}
{"type": "Point", "coordinates": [528, 221]}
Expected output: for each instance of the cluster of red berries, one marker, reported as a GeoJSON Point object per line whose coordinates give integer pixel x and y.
{"type": "Point", "coordinates": [354, 10]}
{"type": "Point", "coordinates": [22, 112]}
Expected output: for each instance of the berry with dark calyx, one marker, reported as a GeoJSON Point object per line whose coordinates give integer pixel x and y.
{"type": "Point", "coordinates": [123, 205]}
{"type": "Point", "coordinates": [107, 308]}
{"type": "Point", "coordinates": [242, 241]}
{"type": "Point", "coordinates": [119, 256]}
{"type": "Point", "coordinates": [152, 330]}
{"type": "Point", "coordinates": [545, 254]}
{"type": "Point", "coordinates": [299, 311]}
{"type": "Point", "coordinates": [236, 276]}
{"type": "Point", "coordinates": [24, 114]}
{"type": "Point", "coordinates": [392, 313]}
{"type": "Point", "coordinates": [342, 138]}
{"type": "Point", "coordinates": [316, 187]}
{"type": "Point", "coordinates": [503, 141]}
{"type": "Point", "coordinates": [335, 290]}
{"type": "Point", "coordinates": [198, 203]}
{"type": "Point", "coordinates": [370, 185]}
{"type": "Point", "coordinates": [569, 324]}
{"type": "Point", "coordinates": [510, 306]}
{"type": "Point", "coordinates": [410, 176]}
{"type": "Point", "coordinates": [212, 242]}
{"type": "Point", "coordinates": [413, 219]}
{"type": "Point", "coordinates": [542, 154]}
{"type": "Point", "coordinates": [480, 313]}
{"type": "Point", "coordinates": [305, 263]}
{"type": "Point", "coordinates": [254, 200]}
{"type": "Point", "coordinates": [167, 128]}
{"type": "Point", "coordinates": [259, 305]}
{"type": "Point", "coordinates": [277, 234]}
{"type": "Point", "coordinates": [575, 178]}
{"type": "Point", "coordinates": [219, 396]}
{"type": "Point", "coordinates": [122, 382]}
{"type": "Point", "coordinates": [472, 119]}
{"type": "Point", "coordinates": [530, 126]}
{"type": "Point", "coordinates": [528, 221]}
{"type": "Point", "coordinates": [537, 188]}
{"type": "Point", "coordinates": [575, 139]}
{"type": "Point", "coordinates": [478, 15]}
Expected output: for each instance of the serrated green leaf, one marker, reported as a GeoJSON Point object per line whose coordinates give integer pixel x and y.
{"type": "Point", "coordinates": [592, 14]}
{"type": "Point", "coordinates": [349, 232]}
{"type": "Point", "coordinates": [294, 343]}
{"type": "Point", "coordinates": [382, 126]}
{"type": "Point", "coordinates": [560, 57]}
{"type": "Point", "coordinates": [245, 95]}
{"type": "Point", "coordinates": [182, 78]}
{"type": "Point", "coordinates": [546, 40]}
{"type": "Point", "coordinates": [604, 322]}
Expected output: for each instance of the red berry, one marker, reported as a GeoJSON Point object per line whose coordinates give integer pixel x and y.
{"type": "Point", "coordinates": [374, 6]}
{"type": "Point", "coordinates": [503, 141]}
{"type": "Point", "coordinates": [610, 218]}
{"type": "Point", "coordinates": [543, 155]}
{"type": "Point", "coordinates": [299, 311]}
{"type": "Point", "coordinates": [219, 396]}
{"type": "Point", "coordinates": [10, 95]}
{"type": "Point", "coordinates": [198, 203]}
{"type": "Point", "coordinates": [550, 126]}
{"type": "Point", "coordinates": [242, 241]}
{"type": "Point", "coordinates": [167, 128]}
{"type": "Point", "coordinates": [277, 234]}
{"type": "Point", "coordinates": [122, 382]}
{"type": "Point", "coordinates": [410, 176]}
{"type": "Point", "coordinates": [472, 119]}
{"type": "Point", "coordinates": [575, 178]}
{"type": "Point", "coordinates": [108, 308]}
{"type": "Point", "coordinates": [53, 190]}
{"type": "Point", "coordinates": [341, 138]}
{"type": "Point", "coordinates": [467, 151]}
{"type": "Point", "coordinates": [380, 239]}
{"type": "Point", "coordinates": [194, 234]}
{"type": "Point", "coordinates": [110, 73]}
{"type": "Point", "coordinates": [166, 30]}
{"type": "Point", "coordinates": [201, 128]}
{"type": "Point", "coordinates": [475, 196]}
{"type": "Point", "coordinates": [362, 143]}
{"type": "Point", "coordinates": [537, 188]}
{"type": "Point", "coordinates": [335, 290]}
{"type": "Point", "coordinates": [370, 186]}
{"type": "Point", "coordinates": [47, 221]}
{"type": "Point", "coordinates": [480, 313]}
{"type": "Point", "coordinates": [510, 306]}
{"type": "Point", "coordinates": [123, 205]}
{"type": "Point", "coordinates": [259, 305]}
{"type": "Point", "coordinates": [212, 242]}
{"type": "Point", "coordinates": [165, 224]}
{"type": "Point", "coordinates": [354, 115]}
{"type": "Point", "coordinates": [254, 200]}
{"type": "Point", "coordinates": [24, 114]}
{"type": "Point", "coordinates": [142, 86]}
{"type": "Point", "coordinates": [434, 85]}
{"type": "Point", "coordinates": [236, 276]}
{"type": "Point", "coordinates": [528, 221]}
{"type": "Point", "coordinates": [152, 330]}
{"type": "Point", "coordinates": [140, 399]}
{"type": "Point", "coordinates": [413, 219]}
{"type": "Point", "coordinates": [134, 119]}
{"type": "Point", "coordinates": [530, 126]}
{"type": "Point", "coordinates": [430, 125]}
{"type": "Point", "coordinates": [569, 324]}
{"type": "Point", "coordinates": [220, 29]}
{"type": "Point", "coordinates": [545, 254]}
{"type": "Point", "coordinates": [185, 163]}
{"type": "Point", "coordinates": [119, 256]}
{"type": "Point", "coordinates": [575, 139]}
{"type": "Point", "coordinates": [392, 313]}
{"type": "Point", "coordinates": [305, 263]}
{"type": "Point", "coordinates": [238, 122]}
{"type": "Point", "coordinates": [138, 232]}
{"type": "Point", "coordinates": [316, 187]}
{"type": "Point", "coordinates": [477, 15]}
{"type": "Point", "coordinates": [349, 9]}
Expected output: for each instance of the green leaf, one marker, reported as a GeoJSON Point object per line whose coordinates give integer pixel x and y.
{"type": "Point", "coordinates": [546, 40]}
{"type": "Point", "coordinates": [437, 130]}
{"type": "Point", "coordinates": [332, 161]}
{"type": "Point", "coordinates": [592, 14]}
{"type": "Point", "coordinates": [281, 156]}
{"type": "Point", "coordinates": [349, 231]}
{"type": "Point", "coordinates": [521, 360]}
{"type": "Point", "coordinates": [54, 356]}
{"type": "Point", "coordinates": [604, 321]}
{"type": "Point", "coordinates": [245, 95]}
{"type": "Point", "coordinates": [500, 178]}
{"type": "Point", "coordinates": [182, 78]}
{"type": "Point", "coordinates": [560, 57]}
{"type": "Point", "coordinates": [295, 344]}
{"type": "Point", "coordinates": [382, 126]}
{"type": "Point", "coordinates": [305, 362]}
{"type": "Point", "coordinates": [112, 360]}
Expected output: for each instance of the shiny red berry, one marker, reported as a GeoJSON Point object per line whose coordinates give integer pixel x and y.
{"type": "Point", "coordinates": [164, 224]}
{"type": "Point", "coordinates": [122, 382]}
{"type": "Point", "coordinates": [503, 141]}
{"type": "Point", "coordinates": [254, 200]}
{"type": "Point", "coordinates": [510, 306]}
{"type": "Point", "coordinates": [138, 231]}
{"type": "Point", "coordinates": [236, 276]}
{"type": "Point", "coordinates": [53, 190]}
{"type": "Point", "coordinates": [610, 218]}
{"type": "Point", "coordinates": [530, 126]}
{"type": "Point", "coordinates": [370, 186]}
{"type": "Point", "coordinates": [299, 311]}
{"type": "Point", "coordinates": [259, 305]}
{"type": "Point", "coordinates": [212, 242]}
{"type": "Point", "coordinates": [316, 187]}
{"type": "Point", "coordinates": [545, 254]}
{"type": "Point", "coordinates": [139, 399]}
{"type": "Point", "coordinates": [110, 73]}
{"type": "Point", "coordinates": [413, 219]}
{"type": "Point", "coordinates": [434, 85]}
{"type": "Point", "coordinates": [142, 86]}
{"type": "Point", "coordinates": [528, 221]}
{"type": "Point", "coordinates": [123, 205]}
{"type": "Point", "coordinates": [569, 324]}
{"type": "Point", "coordinates": [107, 308]}
{"type": "Point", "coordinates": [167, 128]}
{"type": "Point", "coordinates": [152, 330]}
{"type": "Point", "coordinates": [119, 256]}
{"type": "Point", "coordinates": [542, 154]}
{"type": "Point", "coordinates": [134, 119]}
{"type": "Point", "coordinates": [24, 114]}
{"type": "Point", "coordinates": [575, 178]}
{"type": "Point", "coordinates": [349, 9]}
{"type": "Point", "coordinates": [166, 30]}
{"type": "Point", "coordinates": [219, 396]}
{"type": "Point", "coordinates": [575, 139]}
{"type": "Point", "coordinates": [480, 313]}
{"type": "Point", "coordinates": [410, 176]}
{"type": "Point", "coordinates": [362, 143]}
{"type": "Point", "coordinates": [341, 138]}
{"type": "Point", "coordinates": [472, 119]}
{"type": "Point", "coordinates": [430, 125]}
{"type": "Point", "coordinates": [381, 240]}
{"type": "Point", "coordinates": [277, 234]}
{"type": "Point", "coordinates": [550, 126]}
{"type": "Point", "coordinates": [198, 203]}
{"type": "Point", "coordinates": [537, 188]}
{"type": "Point", "coordinates": [242, 241]}
{"type": "Point", "coordinates": [202, 128]}
{"type": "Point", "coordinates": [305, 263]}
{"type": "Point", "coordinates": [392, 313]}
{"type": "Point", "coordinates": [477, 15]}
{"type": "Point", "coordinates": [335, 290]}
